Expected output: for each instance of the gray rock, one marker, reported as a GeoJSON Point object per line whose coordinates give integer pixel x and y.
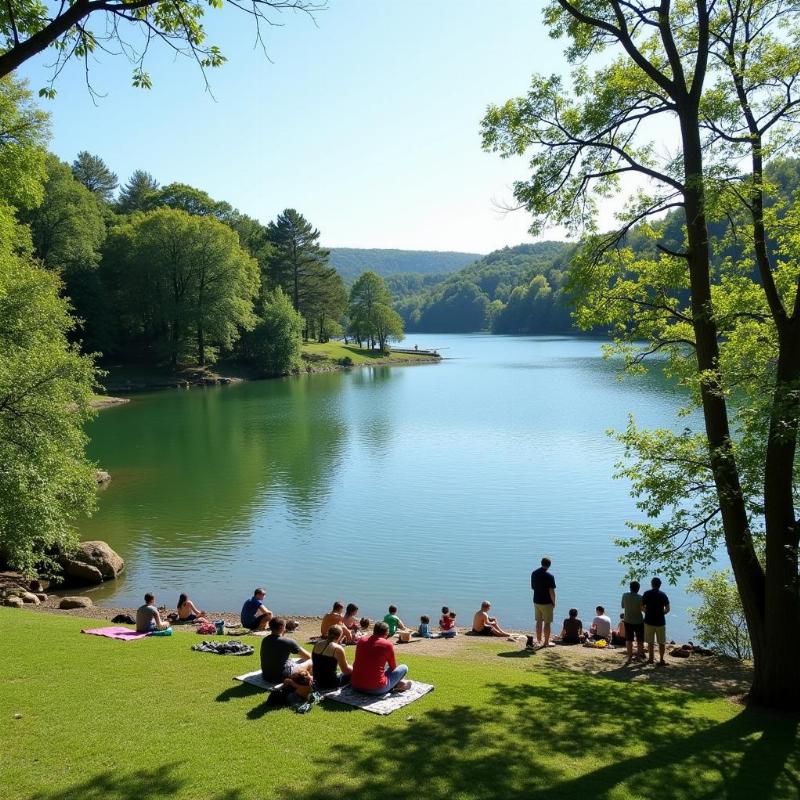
{"type": "Point", "coordinates": [75, 602]}
{"type": "Point", "coordinates": [101, 476]}
{"type": "Point", "coordinates": [13, 602]}
{"type": "Point", "coordinates": [92, 562]}
{"type": "Point", "coordinates": [30, 597]}
{"type": "Point", "coordinates": [80, 572]}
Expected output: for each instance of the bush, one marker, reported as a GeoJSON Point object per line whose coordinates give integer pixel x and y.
{"type": "Point", "coordinates": [719, 621]}
{"type": "Point", "coordinates": [346, 361]}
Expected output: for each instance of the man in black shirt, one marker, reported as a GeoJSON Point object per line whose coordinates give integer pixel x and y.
{"type": "Point", "coordinates": [655, 605]}
{"type": "Point", "coordinates": [544, 602]}
{"type": "Point", "coordinates": [275, 651]}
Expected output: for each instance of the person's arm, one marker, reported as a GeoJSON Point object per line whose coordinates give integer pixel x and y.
{"type": "Point", "coordinates": [390, 659]}
{"type": "Point", "coordinates": [157, 618]}
{"type": "Point", "coordinates": [553, 597]}
{"type": "Point", "coordinates": [400, 624]}
{"type": "Point", "coordinates": [303, 653]}
{"type": "Point", "coordinates": [195, 609]}
{"type": "Point", "coordinates": [341, 660]}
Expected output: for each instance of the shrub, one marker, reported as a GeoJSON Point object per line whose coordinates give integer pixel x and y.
{"type": "Point", "coordinates": [346, 361]}
{"type": "Point", "coordinates": [719, 620]}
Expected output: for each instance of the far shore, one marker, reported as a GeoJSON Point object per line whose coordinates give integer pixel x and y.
{"type": "Point", "coordinates": [333, 356]}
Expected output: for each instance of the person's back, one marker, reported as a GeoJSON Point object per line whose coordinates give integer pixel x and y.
{"type": "Point", "coordinates": [275, 652]}
{"type": "Point", "coordinates": [325, 665]}
{"type": "Point", "coordinates": [572, 630]}
{"type": "Point", "coordinates": [602, 625]}
{"type": "Point", "coordinates": [632, 608]}
{"type": "Point", "coordinates": [146, 616]}
{"type": "Point", "coordinates": [373, 653]}
{"type": "Point", "coordinates": [393, 621]}
{"type": "Point", "coordinates": [249, 609]}
{"type": "Point", "coordinates": [655, 602]}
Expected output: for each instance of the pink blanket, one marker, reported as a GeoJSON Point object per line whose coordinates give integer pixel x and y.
{"type": "Point", "coordinates": [116, 632]}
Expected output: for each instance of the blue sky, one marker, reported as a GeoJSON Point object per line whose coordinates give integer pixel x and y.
{"type": "Point", "coordinates": [367, 122]}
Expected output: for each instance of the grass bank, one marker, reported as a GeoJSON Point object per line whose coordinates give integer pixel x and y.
{"type": "Point", "coordinates": [152, 719]}
{"type": "Point", "coordinates": [337, 354]}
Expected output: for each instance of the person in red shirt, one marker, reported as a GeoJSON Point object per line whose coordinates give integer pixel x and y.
{"type": "Point", "coordinates": [375, 670]}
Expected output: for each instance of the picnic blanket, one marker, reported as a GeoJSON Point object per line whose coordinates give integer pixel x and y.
{"type": "Point", "coordinates": [116, 632]}
{"type": "Point", "coordinates": [375, 704]}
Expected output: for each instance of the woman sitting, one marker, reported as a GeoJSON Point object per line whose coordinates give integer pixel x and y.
{"type": "Point", "coordinates": [188, 611]}
{"type": "Point", "coordinates": [327, 656]}
{"type": "Point", "coordinates": [572, 632]}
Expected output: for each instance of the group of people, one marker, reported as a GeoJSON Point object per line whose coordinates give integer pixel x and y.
{"type": "Point", "coordinates": [643, 618]}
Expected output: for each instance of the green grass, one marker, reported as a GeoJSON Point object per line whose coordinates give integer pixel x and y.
{"type": "Point", "coordinates": [335, 352]}
{"type": "Point", "coordinates": [152, 719]}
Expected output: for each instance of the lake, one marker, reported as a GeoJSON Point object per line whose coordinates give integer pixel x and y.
{"type": "Point", "coordinates": [419, 485]}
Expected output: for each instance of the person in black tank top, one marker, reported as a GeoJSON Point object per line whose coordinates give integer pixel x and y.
{"type": "Point", "coordinates": [328, 656]}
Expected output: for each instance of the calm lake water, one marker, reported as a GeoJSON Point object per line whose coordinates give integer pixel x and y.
{"type": "Point", "coordinates": [422, 486]}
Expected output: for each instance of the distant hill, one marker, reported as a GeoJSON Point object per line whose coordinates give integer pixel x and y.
{"type": "Point", "coordinates": [352, 261]}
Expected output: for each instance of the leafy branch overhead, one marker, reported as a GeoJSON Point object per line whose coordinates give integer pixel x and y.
{"type": "Point", "coordinates": [83, 28]}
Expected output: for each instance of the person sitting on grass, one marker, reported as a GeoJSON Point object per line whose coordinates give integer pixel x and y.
{"type": "Point", "coordinates": [601, 626]}
{"type": "Point", "coordinates": [448, 623]}
{"type": "Point", "coordinates": [333, 617]}
{"type": "Point", "coordinates": [350, 621]}
{"type": "Point", "coordinates": [188, 611]}
{"type": "Point", "coordinates": [424, 629]}
{"type": "Point", "coordinates": [375, 670]}
{"type": "Point", "coordinates": [484, 625]}
{"type": "Point", "coordinates": [255, 615]}
{"type": "Point", "coordinates": [572, 631]}
{"type": "Point", "coordinates": [327, 656]}
{"type": "Point", "coordinates": [618, 636]}
{"type": "Point", "coordinates": [148, 618]}
{"type": "Point", "coordinates": [394, 622]}
{"type": "Point", "coordinates": [276, 649]}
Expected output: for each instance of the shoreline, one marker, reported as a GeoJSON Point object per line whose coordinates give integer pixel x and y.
{"type": "Point", "coordinates": [715, 675]}
{"type": "Point", "coordinates": [227, 373]}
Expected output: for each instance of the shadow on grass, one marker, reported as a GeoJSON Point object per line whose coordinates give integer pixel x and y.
{"type": "Point", "coordinates": [140, 785]}
{"type": "Point", "coordinates": [238, 692]}
{"type": "Point", "coordinates": [569, 738]}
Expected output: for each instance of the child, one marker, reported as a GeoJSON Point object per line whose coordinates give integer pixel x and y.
{"type": "Point", "coordinates": [424, 627]}
{"type": "Point", "coordinates": [365, 624]}
{"type": "Point", "coordinates": [393, 621]}
{"type": "Point", "coordinates": [448, 624]}
{"type": "Point", "coordinates": [333, 617]}
{"type": "Point", "coordinates": [350, 622]}
{"type": "Point", "coordinates": [444, 621]}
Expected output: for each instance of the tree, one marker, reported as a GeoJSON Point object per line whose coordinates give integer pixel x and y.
{"type": "Point", "coordinates": [95, 175]}
{"type": "Point", "coordinates": [300, 266]}
{"type": "Point", "coordinates": [723, 76]}
{"type": "Point", "coordinates": [367, 293]}
{"type": "Point", "coordinates": [719, 621]}
{"type": "Point", "coordinates": [181, 279]}
{"type": "Point", "coordinates": [129, 27]}
{"type": "Point", "coordinates": [274, 345]}
{"type": "Point", "coordinates": [67, 227]}
{"type": "Point", "coordinates": [46, 481]}
{"type": "Point", "coordinates": [134, 195]}
{"type": "Point", "coordinates": [388, 325]}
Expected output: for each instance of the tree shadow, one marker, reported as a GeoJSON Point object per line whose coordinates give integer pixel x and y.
{"type": "Point", "coordinates": [140, 785]}
{"type": "Point", "coordinates": [532, 740]}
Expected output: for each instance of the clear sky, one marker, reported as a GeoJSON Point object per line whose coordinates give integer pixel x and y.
{"type": "Point", "coordinates": [367, 122]}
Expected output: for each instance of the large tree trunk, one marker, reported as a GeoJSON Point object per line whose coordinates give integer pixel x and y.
{"type": "Point", "coordinates": [776, 684]}
{"type": "Point", "coordinates": [769, 654]}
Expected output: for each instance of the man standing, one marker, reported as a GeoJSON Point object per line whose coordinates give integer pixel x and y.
{"type": "Point", "coordinates": [544, 602]}
{"type": "Point", "coordinates": [255, 615]}
{"type": "Point", "coordinates": [655, 605]}
{"type": "Point", "coordinates": [634, 620]}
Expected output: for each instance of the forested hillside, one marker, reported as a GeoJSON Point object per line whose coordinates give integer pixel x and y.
{"type": "Point", "coordinates": [513, 290]}
{"type": "Point", "coordinates": [352, 261]}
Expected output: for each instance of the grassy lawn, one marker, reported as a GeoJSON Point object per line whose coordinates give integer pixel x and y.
{"type": "Point", "coordinates": [152, 719]}
{"type": "Point", "coordinates": [334, 352]}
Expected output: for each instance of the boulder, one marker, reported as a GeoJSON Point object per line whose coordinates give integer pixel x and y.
{"type": "Point", "coordinates": [42, 597]}
{"type": "Point", "coordinates": [92, 562]}
{"type": "Point", "coordinates": [38, 585]}
{"type": "Point", "coordinates": [13, 602]}
{"type": "Point", "coordinates": [75, 602]}
{"type": "Point", "coordinates": [101, 476]}
{"type": "Point", "coordinates": [30, 597]}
